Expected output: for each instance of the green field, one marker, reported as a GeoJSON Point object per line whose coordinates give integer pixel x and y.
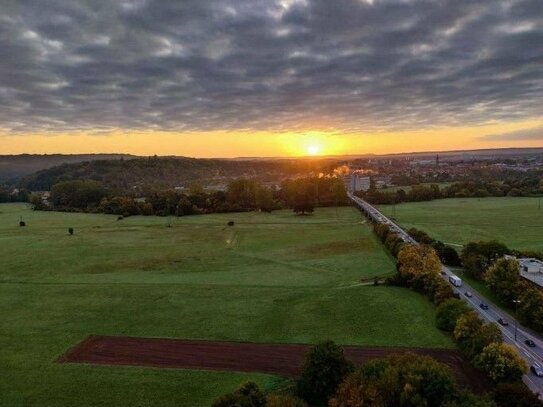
{"type": "Point", "coordinates": [517, 222]}
{"type": "Point", "coordinates": [270, 278]}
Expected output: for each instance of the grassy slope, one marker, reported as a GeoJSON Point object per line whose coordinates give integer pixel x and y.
{"type": "Point", "coordinates": [518, 222]}
{"type": "Point", "coordinates": [270, 278]}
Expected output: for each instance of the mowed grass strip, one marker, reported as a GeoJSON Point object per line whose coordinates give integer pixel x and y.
{"type": "Point", "coordinates": [517, 222]}
{"type": "Point", "coordinates": [270, 278]}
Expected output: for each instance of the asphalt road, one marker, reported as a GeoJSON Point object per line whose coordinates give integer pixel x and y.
{"type": "Point", "coordinates": [532, 355]}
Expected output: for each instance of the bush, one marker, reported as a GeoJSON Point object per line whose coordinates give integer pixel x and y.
{"type": "Point", "coordinates": [448, 313]}
{"type": "Point", "coordinates": [71, 231]}
{"type": "Point", "coordinates": [230, 223]}
{"type": "Point", "coordinates": [324, 369]}
{"type": "Point", "coordinates": [247, 395]}
{"type": "Point", "coordinates": [22, 224]}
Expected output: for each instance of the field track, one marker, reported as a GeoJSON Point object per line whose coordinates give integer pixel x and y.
{"type": "Point", "coordinates": [278, 359]}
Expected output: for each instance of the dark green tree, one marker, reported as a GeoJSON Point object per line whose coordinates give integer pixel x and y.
{"type": "Point", "coordinates": [324, 369]}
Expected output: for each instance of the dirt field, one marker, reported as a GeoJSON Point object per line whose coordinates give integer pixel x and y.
{"type": "Point", "coordinates": [279, 359]}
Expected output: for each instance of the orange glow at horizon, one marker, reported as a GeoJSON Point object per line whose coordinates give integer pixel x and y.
{"type": "Point", "coordinates": [263, 143]}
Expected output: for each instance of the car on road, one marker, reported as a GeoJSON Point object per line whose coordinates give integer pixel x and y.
{"type": "Point", "coordinates": [503, 322]}
{"type": "Point", "coordinates": [483, 305]}
{"type": "Point", "coordinates": [537, 370]}
{"type": "Point", "coordinates": [529, 343]}
{"type": "Point", "coordinates": [468, 294]}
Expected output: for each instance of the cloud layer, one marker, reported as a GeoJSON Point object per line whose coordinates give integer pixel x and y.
{"type": "Point", "coordinates": [535, 133]}
{"type": "Point", "coordinates": [352, 65]}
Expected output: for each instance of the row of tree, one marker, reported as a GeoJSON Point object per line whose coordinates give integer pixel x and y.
{"type": "Point", "coordinates": [403, 380]}
{"type": "Point", "coordinates": [418, 193]}
{"type": "Point", "coordinates": [301, 195]}
{"type": "Point", "coordinates": [447, 254]}
{"type": "Point", "coordinates": [419, 268]}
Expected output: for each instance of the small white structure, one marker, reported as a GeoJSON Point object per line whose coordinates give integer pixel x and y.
{"type": "Point", "coordinates": [531, 269]}
{"type": "Point", "coordinates": [530, 265]}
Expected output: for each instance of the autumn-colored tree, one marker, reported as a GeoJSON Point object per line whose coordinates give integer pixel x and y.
{"type": "Point", "coordinates": [357, 391]}
{"type": "Point", "coordinates": [503, 278]}
{"type": "Point", "coordinates": [473, 335]}
{"type": "Point", "coordinates": [407, 380]}
{"type": "Point", "coordinates": [418, 267]}
{"type": "Point", "coordinates": [501, 363]}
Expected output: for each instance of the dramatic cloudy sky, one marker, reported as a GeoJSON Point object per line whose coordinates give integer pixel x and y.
{"type": "Point", "coordinates": [235, 77]}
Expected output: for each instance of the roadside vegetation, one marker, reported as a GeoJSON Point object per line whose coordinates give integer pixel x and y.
{"type": "Point", "coordinates": [419, 268]}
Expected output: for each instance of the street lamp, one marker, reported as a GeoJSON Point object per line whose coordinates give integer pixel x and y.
{"type": "Point", "coordinates": [516, 323]}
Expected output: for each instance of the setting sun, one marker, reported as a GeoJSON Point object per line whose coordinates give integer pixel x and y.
{"type": "Point", "coordinates": [313, 150]}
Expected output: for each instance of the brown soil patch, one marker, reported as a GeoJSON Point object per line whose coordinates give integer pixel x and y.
{"type": "Point", "coordinates": [278, 359]}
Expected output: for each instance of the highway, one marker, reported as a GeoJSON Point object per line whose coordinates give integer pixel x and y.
{"type": "Point", "coordinates": [532, 355]}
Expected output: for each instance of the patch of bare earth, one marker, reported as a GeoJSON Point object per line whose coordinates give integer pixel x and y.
{"type": "Point", "coordinates": [277, 359]}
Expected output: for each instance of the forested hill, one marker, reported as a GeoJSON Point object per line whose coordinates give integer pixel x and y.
{"type": "Point", "coordinates": [167, 172]}
{"type": "Point", "coordinates": [13, 167]}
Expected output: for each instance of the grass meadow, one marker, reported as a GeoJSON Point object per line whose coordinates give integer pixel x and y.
{"type": "Point", "coordinates": [270, 278]}
{"type": "Point", "coordinates": [517, 222]}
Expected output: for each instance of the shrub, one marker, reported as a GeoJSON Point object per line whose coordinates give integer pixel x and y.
{"type": "Point", "coordinates": [248, 394]}
{"type": "Point", "coordinates": [448, 313]}
{"type": "Point", "coordinates": [230, 223]}
{"type": "Point", "coordinates": [71, 231]}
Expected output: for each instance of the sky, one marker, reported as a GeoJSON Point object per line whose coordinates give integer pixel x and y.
{"type": "Point", "coordinates": [233, 78]}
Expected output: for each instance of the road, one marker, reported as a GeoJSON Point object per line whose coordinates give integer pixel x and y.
{"type": "Point", "coordinates": [532, 355]}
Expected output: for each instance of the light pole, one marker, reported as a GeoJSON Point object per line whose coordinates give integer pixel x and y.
{"type": "Point", "coordinates": [516, 311]}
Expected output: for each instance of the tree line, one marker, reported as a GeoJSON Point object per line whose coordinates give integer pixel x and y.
{"type": "Point", "coordinates": [419, 268]}
{"type": "Point", "coordinates": [7, 195]}
{"type": "Point", "coordinates": [301, 194]}
{"type": "Point", "coordinates": [418, 193]}
{"type": "Point", "coordinates": [402, 380]}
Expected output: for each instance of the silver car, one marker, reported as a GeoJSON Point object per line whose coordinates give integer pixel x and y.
{"type": "Point", "coordinates": [537, 370]}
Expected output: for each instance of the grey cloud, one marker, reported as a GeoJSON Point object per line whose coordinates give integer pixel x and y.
{"type": "Point", "coordinates": [535, 133]}
{"type": "Point", "coordinates": [263, 64]}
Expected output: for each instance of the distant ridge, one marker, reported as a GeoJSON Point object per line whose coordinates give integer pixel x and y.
{"type": "Point", "coordinates": [13, 167]}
